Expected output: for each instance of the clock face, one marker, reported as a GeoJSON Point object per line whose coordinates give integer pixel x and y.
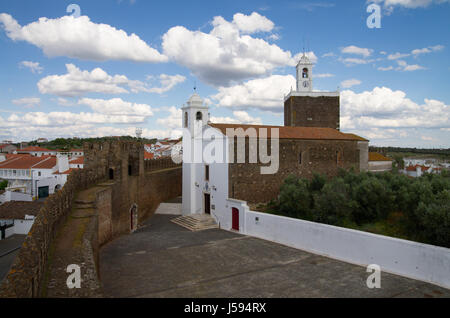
{"type": "Point", "coordinates": [305, 84]}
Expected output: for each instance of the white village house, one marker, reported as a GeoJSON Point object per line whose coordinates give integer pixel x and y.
{"type": "Point", "coordinates": [31, 177]}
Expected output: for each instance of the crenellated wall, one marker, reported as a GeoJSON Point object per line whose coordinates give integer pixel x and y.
{"type": "Point", "coordinates": [116, 170]}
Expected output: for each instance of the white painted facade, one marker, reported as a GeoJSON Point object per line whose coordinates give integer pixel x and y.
{"type": "Point", "coordinates": [406, 258]}
{"type": "Point", "coordinates": [28, 181]}
{"type": "Point", "coordinates": [199, 136]}
{"type": "Point", "coordinates": [20, 226]}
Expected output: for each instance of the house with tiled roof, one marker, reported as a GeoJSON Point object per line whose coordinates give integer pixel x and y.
{"type": "Point", "coordinates": [37, 151]}
{"type": "Point", "coordinates": [32, 177]}
{"type": "Point", "coordinates": [17, 217]}
{"type": "Point", "coordinates": [7, 148]}
{"type": "Point", "coordinates": [77, 163]}
{"type": "Point", "coordinates": [379, 163]}
{"type": "Point", "coordinates": [418, 170]}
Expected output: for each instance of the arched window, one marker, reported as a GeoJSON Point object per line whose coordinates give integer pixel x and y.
{"type": "Point", "coordinates": [185, 119]}
{"type": "Point", "coordinates": [305, 73]}
{"type": "Point", "coordinates": [199, 116]}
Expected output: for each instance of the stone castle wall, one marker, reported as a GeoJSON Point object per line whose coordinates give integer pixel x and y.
{"type": "Point", "coordinates": [321, 156]}
{"type": "Point", "coordinates": [125, 181]}
{"type": "Point", "coordinates": [27, 271]}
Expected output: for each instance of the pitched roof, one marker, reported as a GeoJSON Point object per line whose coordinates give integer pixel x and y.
{"type": "Point", "coordinates": [28, 162]}
{"type": "Point", "coordinates": [414, 168]}
{"type": "Point", "coordinates": [77, 161]}
{"type": "Point", "coordinates": [46, 164]}
{"type": "Point", "coordinates": [66, 172]}
{"type": "Point", "coordinates": [6, 145]}
{"type": "Point", "coordinates": [375, 156]}
{"type": "Point", "coordinates": [148, 155]}
{"type": "Point", "coordinates": [35, 148]}
{"type": "Point", "coordinates": [285, 132]}
{"type": "Point", "coordinates": [18, 209]}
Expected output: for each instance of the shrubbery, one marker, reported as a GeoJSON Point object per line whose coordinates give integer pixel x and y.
{"type": "Point", "coordinates": [3, 184]}
{"type": "Point", "coordinates": [356, 199]}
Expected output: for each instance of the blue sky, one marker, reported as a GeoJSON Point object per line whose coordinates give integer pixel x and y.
{"type": "Point", "coordinates": [126, 64]}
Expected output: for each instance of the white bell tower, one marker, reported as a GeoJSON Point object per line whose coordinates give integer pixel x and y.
{"type": "Point", "coordinates": [304, 75]}
{"type": "Point", "coordinates": [194, 119]}
{"type": "Point", "coordinates": [195, 115]}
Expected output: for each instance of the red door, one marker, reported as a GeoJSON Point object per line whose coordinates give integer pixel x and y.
{"type": "Point", "coordinates": [235, 223]}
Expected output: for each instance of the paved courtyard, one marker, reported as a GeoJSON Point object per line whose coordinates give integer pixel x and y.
{"type": "Point", "coordinates": [163, 259]}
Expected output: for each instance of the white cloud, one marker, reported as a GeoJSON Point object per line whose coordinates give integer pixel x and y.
{"type": "Point", "coordinates": [167, 83]}
{"type": "Point", "coordinates": [117, 107]}
{"type": "Point", "coordinates": [80, 130]}
{"type": "Point", "coordinates": [226, 54]}
{"type": "Point", "coordinates": [388, 68]}
{"type": "Point", "coordinates": [252, 23]}
{"type": "Point", "coordinates": [264, 93]}
{"type": "Point", "coordinates": [410, 4]}
{"type": "Point", "coordinates": [405, 67]}
{"type": "Point", "coordinates": [349, 83]}
{"type": "Point", "coordinates": [173, 120]}
{"type": "Point", "coordinates": [240, 117]}
{"type": "Point", "coordinates": [77, 82]}
{"type": "Point", "coordinates": [54, 119]}
{"type": "Point", "coordinates": [65, 102]}
{"type": "Point", "coordinates": [329, 54]}
{"type": "Point", "coordinates": [325, 75]}
{"type": "Point", "coordinates": [80, 38]}
{"type": "Point", "coordinates": [385, 108]}
{"type": "Point", "coordinates": [28, 102]}
{"type": "Point", "coordinates": [427, 50]}
{"type": "Point", "coordinates": [353, 61]}
{"type": "Point", "coordinates": [34, 67]}
{"type": "Point", "coordinates": [356, 50]}
{"type": "Point", "coordinates": [397, 55]}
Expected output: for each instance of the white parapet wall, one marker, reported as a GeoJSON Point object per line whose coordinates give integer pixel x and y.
{"type": "Point", "coordinates": [406, 258]}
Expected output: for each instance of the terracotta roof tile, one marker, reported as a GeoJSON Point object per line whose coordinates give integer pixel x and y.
{"type": "Point", "coordinates": [46, 164]}
{"type": "Point", "coordinates": [77, 161]}
{"type": "Point", "coordinates": [35, 148]}
{"type": "Point", "coordinates": [309, 133]}
{"type": "Point", "coordinates": [18, 209]}
{"type": "Point", "coordinates": [375, 156]}
{"type": "Point", "coordinates": [28, 162]}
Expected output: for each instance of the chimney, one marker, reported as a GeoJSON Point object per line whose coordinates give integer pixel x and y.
{"type": "Point", "coordinates": [62, 161]}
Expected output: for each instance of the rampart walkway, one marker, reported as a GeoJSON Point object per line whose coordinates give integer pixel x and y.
{"type": "Point", "coordinates": [70, 248]}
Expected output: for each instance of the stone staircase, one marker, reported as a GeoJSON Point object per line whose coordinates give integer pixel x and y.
{"type": "Point", "coordinates": [196, 222]}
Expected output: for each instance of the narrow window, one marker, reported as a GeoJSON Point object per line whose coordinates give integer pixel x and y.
{"type": "Point", "coordinates": [305, 73]}
{"type": "Point", "coordinates": [185, 119]}
{"type": "Point", "coordinates": [39, 174]}
{"type": "Point", "coordinates": [300, 158]}
{"type": "Point", "coordinates": [206, 173]}
{"type": "Point", "coordinates": [199, 116]}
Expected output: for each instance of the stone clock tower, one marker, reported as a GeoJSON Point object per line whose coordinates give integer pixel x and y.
{"type": "Point", "coordinates": [307, 108]}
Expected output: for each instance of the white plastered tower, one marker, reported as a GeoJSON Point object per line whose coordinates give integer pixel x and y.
{"type": "Point", "coordinates": [304, 75]}
{"type": "Point", "coordinates": [195, 117]}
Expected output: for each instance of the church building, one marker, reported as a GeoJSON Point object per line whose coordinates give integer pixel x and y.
{"type": "Point", "coordinates": [310, 141]}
